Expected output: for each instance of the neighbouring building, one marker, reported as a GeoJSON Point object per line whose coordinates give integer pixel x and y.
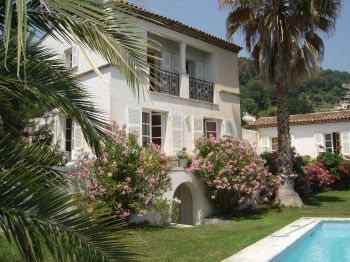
{"type": "Point", "coordinates": [310, 133]}
{"type": "Point", "coordinates": [248, 117]}
{"type": "Point", "coordinates": [197, 94]}
{"type": "Point", "coordinates": [344, 102]}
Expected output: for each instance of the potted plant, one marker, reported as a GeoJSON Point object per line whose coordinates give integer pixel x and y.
{"type": "Point", "coordinates": [183, 157]}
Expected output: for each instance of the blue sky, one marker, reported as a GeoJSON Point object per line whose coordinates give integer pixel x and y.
{"type": "Point", "coordinates": [205, 15]}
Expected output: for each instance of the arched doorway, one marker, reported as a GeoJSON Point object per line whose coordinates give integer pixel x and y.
{"type": "Point", "coordinates": [186, 207]}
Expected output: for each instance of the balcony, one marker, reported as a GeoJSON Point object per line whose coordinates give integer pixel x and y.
{"type": "Point", "coordinates": [165, 82]}
{"type": "Point", "coordinates": [201, 90]}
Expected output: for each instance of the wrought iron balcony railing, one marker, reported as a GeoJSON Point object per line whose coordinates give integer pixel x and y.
{"type": "Point", "coordinates": [165, 82]}
{"type": "Point", "coordinates": [201, 90]}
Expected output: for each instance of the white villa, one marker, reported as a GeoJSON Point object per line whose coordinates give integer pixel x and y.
{"type": "Point", "coordinates": [310, 133]}
{"type": "Point", "coordinates": [198, 96]}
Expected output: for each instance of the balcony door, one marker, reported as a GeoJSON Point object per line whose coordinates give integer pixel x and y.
{"type": "Point", "coordinates": [191, 68]}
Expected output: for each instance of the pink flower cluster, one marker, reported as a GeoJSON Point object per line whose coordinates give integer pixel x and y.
{"type": "Point", "coordinates": [125, 177]}
{"type": "Point", "coordinates": [232, 171]}
{"type": "Point", "coordinates": [318, 177]}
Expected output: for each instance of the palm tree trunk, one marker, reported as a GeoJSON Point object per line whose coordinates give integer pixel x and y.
{"type": "Point", "coordinates": [286, 195]}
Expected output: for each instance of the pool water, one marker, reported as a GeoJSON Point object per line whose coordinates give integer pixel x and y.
{"type": "Point", "coordinates": [328, 241]}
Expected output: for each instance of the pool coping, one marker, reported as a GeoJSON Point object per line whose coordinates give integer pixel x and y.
{"type": "Point", "coordinates": [269, 247]}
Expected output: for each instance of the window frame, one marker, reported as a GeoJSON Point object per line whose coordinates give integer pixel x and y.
{"type": "Point", "coordinates": [335, 140]}
{"type": "Point", "coordinates": [206, 132]}
{"type": "Point", "coordinates": [68, 57]}
{"type": "Point", "coordinates": [66, 130]}
{"type": "Point", "coordinates": [274, 144]}
{"type": "Point", "coordinates": [151, 126]}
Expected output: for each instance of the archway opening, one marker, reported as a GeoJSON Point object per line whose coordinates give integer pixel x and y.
{"type": "Point", "coordinates": [186, 207]}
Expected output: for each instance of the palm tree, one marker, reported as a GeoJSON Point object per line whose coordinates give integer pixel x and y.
{"type": "Point", "coordinates": [41, 215]}
{"type": "Point", "coordinates": [39, 212]}
{"type": "Point", "coordinates": [49, 83]}
{"type": "Point", "coordinates": [282, 37]}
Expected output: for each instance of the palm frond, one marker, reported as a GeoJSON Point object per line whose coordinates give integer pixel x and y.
{"type": "Point", "coordinates": [40, 215]}
{"type": "Point", "coordinates": [102, 26]}
{"type": "Point", "coordinates": [48, 82]}
{"type": "Point", "coordinates": [286, 32]}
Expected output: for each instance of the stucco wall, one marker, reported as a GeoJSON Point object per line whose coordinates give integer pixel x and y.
{"type": "Point", "coordinates": [303, 137]}
{"type": "Point", "coordinates": [226, 108]}
{"type": "Point", "coordinates": [201, 206]}
{"type": "Point", "coordinates": [200, 203]}
{"type": "Point", "coordinates": [223, 69]}
{"type": "Point", "coordinates": [112, 95]}
{"type": "Point", "coordinates": [252, 137]}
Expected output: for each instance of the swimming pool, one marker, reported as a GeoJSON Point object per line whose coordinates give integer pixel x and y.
{"type": "Point", "coordinates": [327, 241]}
{"type": "Point", "coordinates": [308, 239]}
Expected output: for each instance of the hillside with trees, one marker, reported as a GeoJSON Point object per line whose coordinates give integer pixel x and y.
{"type": "Point", "coordinates": [320, 92]}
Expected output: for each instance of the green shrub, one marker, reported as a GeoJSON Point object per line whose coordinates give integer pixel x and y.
{"type": "Point", "coordinates": [167, 210]}
{"type": "Point", "coordinates": [338, 166]}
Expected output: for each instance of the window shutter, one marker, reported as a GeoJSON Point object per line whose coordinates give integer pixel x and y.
{"type": "Point", "coordinates": [60, 131]}
{"type": "Point", "coordinates": [197, 128]}
{"type": "Point", "coordinates": [75, 53]}
{"type": "Point", "coordinates": [166, 61]}
{"type": "Point", "coordinates": [345, 140]}
{"type": "Point", "coordinates": [176, 64]}
{"type": "Point", "coordinates": [134, 120]}
{"type": "Point", "coordinates": [319, 143]}
{"type": "Point", "coordinates": [78, 137]}
{"type": "Point", "coordinates": [177, 128]}
{"type": "Point", "coordinates": [265, 144]}
{"type": "Point", "coordinates": [199, 70]}
{"type": "Point", "coordinates": [228, 128]}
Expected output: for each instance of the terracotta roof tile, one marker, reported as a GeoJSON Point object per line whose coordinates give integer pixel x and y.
{"type": "Point", "coordinates": [180, 27]}
{"type": "Point", "coordinates": [304, 119]}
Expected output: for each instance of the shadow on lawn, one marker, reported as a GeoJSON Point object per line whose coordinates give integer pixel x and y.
{"type": "Point", "coordinates": [252, 214]}
{"type": "Point", "coordinates": [146, 226]}
{"type": "Point", "coordinates": [317, 200]}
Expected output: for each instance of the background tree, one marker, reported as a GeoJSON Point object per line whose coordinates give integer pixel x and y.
{"type": "Point", "coordinates": [282, 38]}
{"type": "Point", "coordinates": [321, 91]}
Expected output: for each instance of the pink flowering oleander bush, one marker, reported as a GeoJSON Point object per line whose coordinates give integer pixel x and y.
{"type": "Point", "coordinates": [317, 176]}
{"type": "Point", "coordinates": [233, 173]}
{"type": "Point", "coordinates": [338, 166]}
{"type": "Point", "coordinates": [126, 177]}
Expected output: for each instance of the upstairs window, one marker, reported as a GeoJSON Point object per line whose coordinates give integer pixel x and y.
{"type": "Point", "coordinates": [151, 128]}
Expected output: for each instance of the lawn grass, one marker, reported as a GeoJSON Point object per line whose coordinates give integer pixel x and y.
{"type": "Point", "coordinates": [216, 242]}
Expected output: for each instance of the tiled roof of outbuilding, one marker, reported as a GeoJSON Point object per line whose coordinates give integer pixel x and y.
{"type": "Point", "coordinates": [304, 119]}
{"type": "Point", "coordinates": [180, 27]}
